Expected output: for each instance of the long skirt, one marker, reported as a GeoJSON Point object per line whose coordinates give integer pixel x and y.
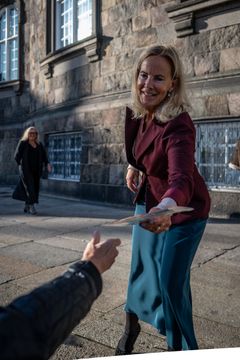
{"type": "Point", "coordinates": [159, 283]}
{"type": "Point", "coordinates": [27, 189]}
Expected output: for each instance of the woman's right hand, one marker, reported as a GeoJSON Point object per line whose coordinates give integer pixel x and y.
{"type": "Point", "coordinates": [132, 179]}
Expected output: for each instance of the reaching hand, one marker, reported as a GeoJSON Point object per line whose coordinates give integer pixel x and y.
{"type": "Point", "coordinates": [101, 254]}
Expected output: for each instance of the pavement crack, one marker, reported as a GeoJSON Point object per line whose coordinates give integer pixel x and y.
{"type": "Point", "coordinates": [218, 255]}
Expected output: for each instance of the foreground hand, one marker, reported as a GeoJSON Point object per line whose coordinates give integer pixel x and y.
{"type": "Point", "coordinates": [132, 178]}
{"type": "Point", "coordinates": [158, 224]}
{"type": "Point", "coordinates": [101, 254]}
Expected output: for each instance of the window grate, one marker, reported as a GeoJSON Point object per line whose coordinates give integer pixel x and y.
{"type": "Point", "coordinates": [215, 146]}
{"type": "Point", "coordinates": [64, 155]}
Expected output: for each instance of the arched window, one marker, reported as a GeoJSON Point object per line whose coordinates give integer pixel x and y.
{"type": "Point", "coordinates": [9, 44]}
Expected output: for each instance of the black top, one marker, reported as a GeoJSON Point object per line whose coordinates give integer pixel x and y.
{"type": "Point", "coordinates": [33, 158]}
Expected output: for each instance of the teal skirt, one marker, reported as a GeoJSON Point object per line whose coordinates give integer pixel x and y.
{"type": "Point", "coordinates": [159, 283]}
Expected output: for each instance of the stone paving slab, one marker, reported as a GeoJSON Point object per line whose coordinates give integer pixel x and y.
{"type": "Point", "coordinates": [82, 210]}
{"type": "Point", "coordinates": [85, 232]}
{"type": "Point", "coordinates": [65, 242]}
{"type": "Point", "coordinates": [40, 254]}
{"type": "Point", "coordinates": [216, 304]}
{"type": "Point", "coordinates": [114, 290]}
{"type": "Point", "coordinates": [16, 269]}
{"type": "Point", "coordinates": [105, 332]}
{"type": "Point", "coordinates": [10, 291]}
{"type": "Point", "coordinates": [34, 280]}
{"type": "Point", "coordinates": [219, 241]}
{"type": "Point", "coordinates": [231, 257]}
{"type": "Point", "coordinates": [5, 278]}
{"type": "Point", "coordinates": [218, 276]}
{"type": "Point", "coordinates": [65, 225]}
{"type": "Point", "coordinates": [76, 347]}
{"type": "Point", "coordinates": [203, 255]}
{"type": "Point", "coordinates": [12, 220]}
{"type": "Point", "coordinates": [78, 240]}
{"type": "Point", "coordinates": [214, 335]}
{"type": "Point", "coordinates": [117, 316]}
{"type": "Point", "coordinates": [29, 231]}
{"type": "Point", "coordinates": [223, 228]}
{"type": "Point", "coordinates": [8, 239]}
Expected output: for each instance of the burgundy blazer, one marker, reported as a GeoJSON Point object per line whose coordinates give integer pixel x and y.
{"type": "Point", "coordinates": [165, 155]}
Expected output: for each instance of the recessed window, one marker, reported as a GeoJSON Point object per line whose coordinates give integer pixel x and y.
{"type": "Point", "coordinates": [73, 21]}
{"type": "Point", "coordinates": [64, 152]}
{"type": "Point", "coordinates": [215, 146]}
{"type": "Point", "coordinates": [8, 44]}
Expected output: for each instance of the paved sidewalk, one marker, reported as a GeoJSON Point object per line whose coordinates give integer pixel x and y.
{"type": "Point", "coordinates": [34, 249]}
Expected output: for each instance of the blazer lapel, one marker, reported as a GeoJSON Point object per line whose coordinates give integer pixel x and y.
{"type": "Point", "coordinates": [147, 139]}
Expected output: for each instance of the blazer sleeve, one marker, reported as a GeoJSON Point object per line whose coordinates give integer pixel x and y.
{"type": "Point", "coordinates": [19, 152]}
{"type": "Point", "coordinates": [180, 150]}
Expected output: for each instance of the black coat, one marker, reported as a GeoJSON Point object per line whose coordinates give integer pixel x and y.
{"type": "Point", "coordinates": [34, 325]}
{"type": "Point", "coordinates": [27, 188]}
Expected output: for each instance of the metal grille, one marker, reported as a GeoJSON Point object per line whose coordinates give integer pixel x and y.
{"type": "Point", "coordinates": [64, 155]}
{"type": "Point", "coordinates": [215, 146]}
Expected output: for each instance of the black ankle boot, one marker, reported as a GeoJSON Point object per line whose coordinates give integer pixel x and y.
{"type": "Point", "coordinates": [171, 349]}
{"type": "Point", "coordinates": [127, 341]}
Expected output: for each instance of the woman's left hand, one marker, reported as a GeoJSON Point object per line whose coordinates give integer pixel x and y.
{"type": "Point", "coordinates": [158, 224]}
{"type": "Point", "coordinates": [49, 168]}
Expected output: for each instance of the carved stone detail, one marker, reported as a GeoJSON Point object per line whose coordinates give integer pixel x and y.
{"type": "Point", "coordinates": [183, 13]}
{"type": "Point", "coordinates": [92, 49]}
{"type": "Point", "coordinates": [184, 24]}
{"type": "Point", "coordinates": [48, 70]}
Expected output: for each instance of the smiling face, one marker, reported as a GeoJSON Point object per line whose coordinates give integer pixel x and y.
{"type": "Point", "coordinates": [154, 82]}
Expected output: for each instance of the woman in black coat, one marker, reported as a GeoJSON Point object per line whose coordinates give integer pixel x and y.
{"type": "Point", "coordinates": [30, 156]}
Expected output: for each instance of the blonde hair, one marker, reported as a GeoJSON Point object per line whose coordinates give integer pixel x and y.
{"type": "Point", "coordinates": [25, 135]}
{"type": "Point", "coordinates": [177, 101]}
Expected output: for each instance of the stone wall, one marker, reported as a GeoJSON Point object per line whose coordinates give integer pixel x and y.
{"type": "Point", "coordinates": [90, 96]}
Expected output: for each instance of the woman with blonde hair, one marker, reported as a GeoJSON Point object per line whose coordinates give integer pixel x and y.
{"type": "Point", "coordinates": [160, 143]}
{"type": "Point", "coordinates": [30, 156]}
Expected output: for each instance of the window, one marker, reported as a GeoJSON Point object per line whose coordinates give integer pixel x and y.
{"type": "Point", "coordinates": [8, 44]}
{"type": "Point", "coordinates": [73, 21]}
{"type": "Point", "coordinates": [215, 146]}
{"type": "Point", "coordinates": [73, 29]}
{"type": "Point", "coordinates": [64, 155]}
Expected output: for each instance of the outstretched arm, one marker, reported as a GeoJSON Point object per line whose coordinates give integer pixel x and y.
{"type": "Point", "coordinates": [34, 325]}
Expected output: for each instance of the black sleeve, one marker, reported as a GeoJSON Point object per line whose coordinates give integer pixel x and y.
{"type": "Point", "coordinates": [34, 325]}
{"type": "Point", "coordinates": [19, 152]}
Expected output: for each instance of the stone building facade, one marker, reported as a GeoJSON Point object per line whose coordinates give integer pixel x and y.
{"type": "Point", "coordinates": [66, 67]}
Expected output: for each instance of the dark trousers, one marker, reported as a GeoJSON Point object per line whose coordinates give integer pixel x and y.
{"type": "Point", "coordinates": [33, 185]}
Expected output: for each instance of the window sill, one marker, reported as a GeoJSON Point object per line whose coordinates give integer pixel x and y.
{"type": "Point", "coordinates": [14, 85]}
{"type": "Point", "coordinates": [89, 47]}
